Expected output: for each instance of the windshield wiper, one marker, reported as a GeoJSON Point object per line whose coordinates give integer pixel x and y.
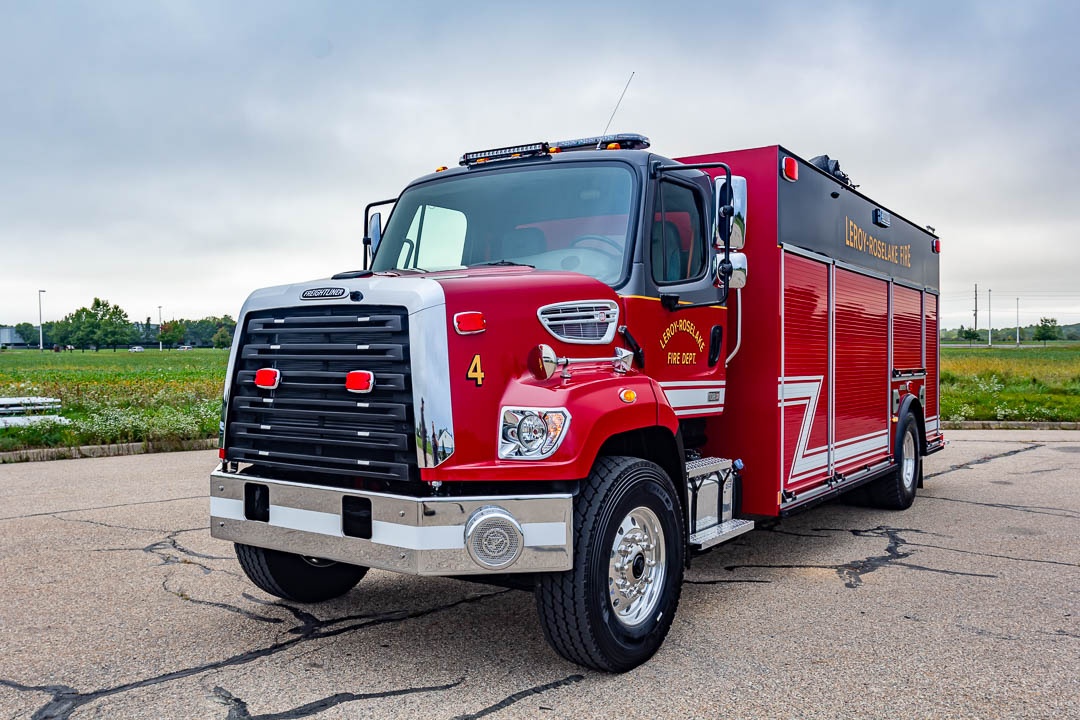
{"type": "Point", "coordinates": [502, 262]}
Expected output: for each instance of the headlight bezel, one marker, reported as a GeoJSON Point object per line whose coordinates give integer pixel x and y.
{"type": "Point", "coordinates": [511, 417]}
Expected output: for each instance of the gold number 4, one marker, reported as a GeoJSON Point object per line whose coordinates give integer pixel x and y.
{"type": "Point", "coordinates": [476, 374]}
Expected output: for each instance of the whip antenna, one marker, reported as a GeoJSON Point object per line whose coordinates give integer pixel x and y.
{"type": "Point", "coordinates": [617, 104]}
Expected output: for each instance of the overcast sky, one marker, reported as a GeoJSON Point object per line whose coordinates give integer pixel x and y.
{"type": "Point", "coordinates": [182, 154]}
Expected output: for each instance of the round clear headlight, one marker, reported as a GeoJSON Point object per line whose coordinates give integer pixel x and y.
{"type": "Point", "coordinates": [531, 432]}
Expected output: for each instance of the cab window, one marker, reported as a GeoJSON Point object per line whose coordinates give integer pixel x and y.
{"type": "Point", "coordinates": [677, 245]}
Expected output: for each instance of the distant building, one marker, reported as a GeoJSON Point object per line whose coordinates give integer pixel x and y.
{"type": "Point", "coordinates": [11, 339]}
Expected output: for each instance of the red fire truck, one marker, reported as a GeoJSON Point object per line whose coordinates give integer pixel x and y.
{"type": "Point", "coordinates": [556, 373]}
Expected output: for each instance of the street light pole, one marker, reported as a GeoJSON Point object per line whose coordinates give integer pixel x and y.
{"type": "Point", "coordinates": [40, 325]}
{"type": "Point", "coordinates": [989, 321]}
{"type": "Point", "coordinates": [160, 345]}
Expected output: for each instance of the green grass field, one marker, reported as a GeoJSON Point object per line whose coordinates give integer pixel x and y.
{"type": "Point", "coordinates": [1029, 383]}
{"type": "Point", "coordinates": [116, 397]}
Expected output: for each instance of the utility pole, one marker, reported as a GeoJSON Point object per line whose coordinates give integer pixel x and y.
{"type": "Point", "coordinates": [989, 321]}
{"type": "Point", "coordinates": [976, 328]}
{"type": "Point", "coordinates": [40, 324]}
{"type": "Point", "coordinates": [1017, 322]}
{"type": "Point", "coordinates": [160, 345]}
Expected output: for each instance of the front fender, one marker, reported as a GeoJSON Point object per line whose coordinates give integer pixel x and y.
{"type": "Point", "coordinates": [597, 412]}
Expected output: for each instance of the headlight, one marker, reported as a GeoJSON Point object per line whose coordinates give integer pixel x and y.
{"type": "Point", "coordinates": [531, 433]}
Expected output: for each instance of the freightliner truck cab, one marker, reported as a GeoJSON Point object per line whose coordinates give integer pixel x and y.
{"type": "Point", "coordinates": [521, 385]}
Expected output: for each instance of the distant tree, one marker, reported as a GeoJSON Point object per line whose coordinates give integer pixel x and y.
{"type": "Point", "coordinates": [113, 326]}
{"type": "Point", "coordinates": [172, 333]}
{"type": "Point", "coordinates": [27, 332]}
{"type": "Point", "coordinates": [58, 333]}
{"type": "Point", "coordinates": [222, 338]}
{"type": "Point", "coordinates": [83, 331]}
{"type": "Point", "coordinates": [1047, 329]}
{"type": "Point", "coordinates": [968, 334]}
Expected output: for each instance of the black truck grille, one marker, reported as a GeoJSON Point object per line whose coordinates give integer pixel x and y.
{"type": "Point", "coordinates": [310, 427]}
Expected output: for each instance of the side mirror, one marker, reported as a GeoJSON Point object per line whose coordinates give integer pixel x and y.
{"type": "Point", "coordinates": [731, 226]}
{"type": "Point", "coordinates": [375, 231]}
{"type": "Point", "coordinates": [738, 271]}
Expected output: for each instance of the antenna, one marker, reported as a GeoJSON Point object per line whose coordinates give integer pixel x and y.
{"type": "Point", "coordinates": [617, 104]}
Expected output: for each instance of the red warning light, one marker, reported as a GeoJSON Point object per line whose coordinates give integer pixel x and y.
{"type": "Point", "coordinates": [267, 378]}
{"type": "Point", "coordinates": [470, 323]}
{"type": "Point", "coordinates": [360, 381]}
{"type": "Point", "coordinates": [936, 245]}
{"type": "Point", "coordinates": [791, 169]}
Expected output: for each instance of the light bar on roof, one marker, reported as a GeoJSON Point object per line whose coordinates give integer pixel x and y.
{"type": "Point", "coordinates": [473, 158]}
{"type": "Point", "coordinates": [626, 141]}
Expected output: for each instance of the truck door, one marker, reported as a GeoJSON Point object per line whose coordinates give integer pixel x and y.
{"type": "Point", "coordinates": [684, 349]}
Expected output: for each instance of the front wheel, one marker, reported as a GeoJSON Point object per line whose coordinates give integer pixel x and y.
{"type": "Point", "coordinates": [896, 491]}
{"type": "Point", "coordinates": [614, 608]}
{"type": "Point", "coordinates": [295, 577]}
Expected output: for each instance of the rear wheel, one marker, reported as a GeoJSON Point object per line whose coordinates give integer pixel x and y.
{"type": "Point", "coordinates": [896, 491]}
{"type": "Point", "coordinates": [295, 577]}
{"type": "Point", "coordinates": [614, 608]}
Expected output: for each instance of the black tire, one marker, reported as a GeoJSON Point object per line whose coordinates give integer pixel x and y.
{"type": "Point", "coordinates": [896, 491]}
{"type": "Point", "coordinates": [579, 609]}
{"type": "Point", "coordinates": [296, 578]}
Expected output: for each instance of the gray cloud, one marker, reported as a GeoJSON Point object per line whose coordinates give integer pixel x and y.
{"type": "Point", "coordinates": [184, 154]}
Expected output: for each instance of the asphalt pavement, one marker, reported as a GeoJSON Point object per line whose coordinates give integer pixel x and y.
{"type": "Point", "coordinates": [116, 603]}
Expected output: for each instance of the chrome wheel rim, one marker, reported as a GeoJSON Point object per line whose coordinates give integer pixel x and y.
{"type": "Point", "coordinates": [907, 469]}
{"type": "Point", "coordinates": [637, 567]}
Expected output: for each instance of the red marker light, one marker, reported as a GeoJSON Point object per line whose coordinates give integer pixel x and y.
{"type": "Point", "coordinates": [791, 169]}
{"type": "Point", "coordinates": [221, 453]}
{"type": "Point", "coordinates": [268, 378]}
{"type": "Point", "coordinates": [360, 381]}
{"type": "Point", "coordinates": [936, 245]}
{"type": "Point", "coordinates": [470, 323]}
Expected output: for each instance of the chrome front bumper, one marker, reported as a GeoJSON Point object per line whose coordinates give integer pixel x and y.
{"type": "Point", "coordinates": [418, 536]}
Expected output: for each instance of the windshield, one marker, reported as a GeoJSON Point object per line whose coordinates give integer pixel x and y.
{"type": "Point", "coordinates": [573, 216]}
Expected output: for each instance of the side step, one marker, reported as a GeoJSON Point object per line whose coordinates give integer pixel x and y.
{"type": "Point", "coordinates": [720, 533]}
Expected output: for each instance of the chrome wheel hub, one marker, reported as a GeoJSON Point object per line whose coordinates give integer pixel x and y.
{"type": "Point", "coordinates": [636, 568]}
{"type": "Point", "coordinates": [907, 470]}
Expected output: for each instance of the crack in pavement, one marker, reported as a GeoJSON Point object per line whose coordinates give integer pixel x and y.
{"type": "Point", "coordinates": [109, 525]}
{"type": "Point", "coordinates": [65, 699]}
{"type": "Point", "coordinates": [983, 460]}
{"type": "Point", "coordinates": [994, 555]}
{"type": "Point", "coordinates": [238, 709]}
{"type": "Point", "coordinates": [852, 572]}
{"type": "Point", "coordinates": [223, 606]}
{"type": "Point", "coordinates": [1033, 509]}
{"type": "Point", "coordinates": [521, 695]}
{"type": "Point", "coordinates": [160, 549]}
{"type": "Point", "coordinates": [101, 507]}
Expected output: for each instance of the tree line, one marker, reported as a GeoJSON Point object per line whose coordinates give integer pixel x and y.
{"type": "Point", "coordinates": [1047, 329]}
{"type": "Point", "coordinates": [105, 325]}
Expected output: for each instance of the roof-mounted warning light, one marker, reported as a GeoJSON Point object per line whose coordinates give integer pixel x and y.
{"type": "Point", "coordinates": [505, 153]}
{"type": "Point", "coordinates": [620, 141]}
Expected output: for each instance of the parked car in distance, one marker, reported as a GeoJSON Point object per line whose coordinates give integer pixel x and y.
{"type": "Point", "coordinates": [184, 347]}
{"type": "Point", "coordinates": [135, 348]}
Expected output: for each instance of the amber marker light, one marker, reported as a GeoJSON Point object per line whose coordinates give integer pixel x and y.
{"type": "Point", "coordinates": [627, 395]}
{"type": "Point", "coordinates": [440, 168]}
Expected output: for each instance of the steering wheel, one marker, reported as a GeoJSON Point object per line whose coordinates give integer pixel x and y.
{"type": "Point", "coordinates": [603, 240]}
